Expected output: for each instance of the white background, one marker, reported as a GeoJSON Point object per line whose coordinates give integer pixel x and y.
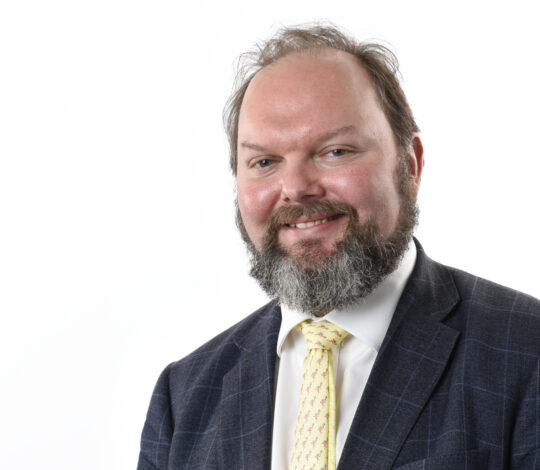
{"type": "Point", "coordinates": [118, 251]}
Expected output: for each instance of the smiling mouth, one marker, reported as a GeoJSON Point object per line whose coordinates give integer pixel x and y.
{"type": "Point", "coordinates": [312, 223]}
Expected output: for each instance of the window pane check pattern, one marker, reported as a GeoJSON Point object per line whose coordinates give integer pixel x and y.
{"type": "Point", "coordinates": [315, 432]}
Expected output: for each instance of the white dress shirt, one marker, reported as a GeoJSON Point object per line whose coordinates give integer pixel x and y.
{"type": "Point", "coordinates": [366, 322]}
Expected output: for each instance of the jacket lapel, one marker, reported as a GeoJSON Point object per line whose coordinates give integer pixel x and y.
{"type": "Point", "coordinates": [411, 361]}
{"type": "Point", "coordinates": [244, 438]}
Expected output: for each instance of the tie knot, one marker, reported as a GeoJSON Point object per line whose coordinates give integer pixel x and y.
{"type": "Point", "coordinates": [322, 335]}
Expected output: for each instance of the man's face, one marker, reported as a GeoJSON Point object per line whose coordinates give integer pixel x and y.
{"type": "Point", "coordinates": [311, 130]}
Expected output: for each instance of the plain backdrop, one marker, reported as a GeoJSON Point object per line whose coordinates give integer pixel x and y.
{"type": "Point", "coordinates": [118, 250]}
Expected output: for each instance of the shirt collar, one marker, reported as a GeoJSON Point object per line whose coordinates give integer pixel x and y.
{"type": "Point", "coordinates": [369, 318]}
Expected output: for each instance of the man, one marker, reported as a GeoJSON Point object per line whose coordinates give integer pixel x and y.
{"type": "Point", "coordinates": [438, 369]}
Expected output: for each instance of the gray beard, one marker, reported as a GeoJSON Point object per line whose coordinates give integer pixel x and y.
{"type": "Point", "coordinates": [316, 284]}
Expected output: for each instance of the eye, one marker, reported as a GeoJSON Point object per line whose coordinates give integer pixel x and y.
{"type": "Point", "coordinates": [263, 163]}
{"type": "Point", "coordinates": [338, 152]}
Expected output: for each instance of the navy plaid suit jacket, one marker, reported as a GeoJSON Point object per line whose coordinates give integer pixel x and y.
{"type": "Point", "coordinates": [456, 385]}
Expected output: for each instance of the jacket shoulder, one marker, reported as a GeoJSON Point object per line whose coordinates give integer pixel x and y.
{"type": "Point", "coordinates": [250, 331]}
{"type": "Point", "coordinates": [182, 413]}
{"type": "Point", "coordinates": [493, 295]}
{"type": "Point", "coordinates": [504, 318]}
{"type": "Point", "coordinates": [485, 313]}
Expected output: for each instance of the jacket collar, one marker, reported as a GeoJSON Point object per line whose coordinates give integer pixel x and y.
{"type": "Point", "coordinates": [244, 439]}
{"type": "Point", "coordinates": [414, 354]}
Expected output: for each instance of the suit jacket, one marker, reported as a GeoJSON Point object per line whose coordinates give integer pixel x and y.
{"type": "Point", "coordinates": [456, 385]}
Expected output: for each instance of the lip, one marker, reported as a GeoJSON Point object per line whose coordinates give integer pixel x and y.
{"type": "Point", "coordinates": [321, 230]}
{"type": "Point", "coordinates": [316, 218]}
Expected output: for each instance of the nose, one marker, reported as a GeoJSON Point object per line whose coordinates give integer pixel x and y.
{"type": "Point", "coordinates": [300, 182]}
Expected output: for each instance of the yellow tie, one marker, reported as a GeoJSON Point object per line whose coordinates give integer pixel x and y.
{"type": "Point", "coordinates": [315, 432]}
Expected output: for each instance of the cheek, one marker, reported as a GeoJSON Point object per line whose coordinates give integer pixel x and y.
{"type": "Point", "coordinates": [256, 202]}
{"type": "Point", "coordinates": [357, 186]}
{"type": "Point", "coordinates": [372, 192]}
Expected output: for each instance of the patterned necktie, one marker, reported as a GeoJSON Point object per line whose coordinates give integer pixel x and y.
{"type": "Point", "coordinates": [315, 432]}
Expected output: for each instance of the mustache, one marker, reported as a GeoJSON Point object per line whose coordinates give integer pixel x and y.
{"type": "Point", "coordinates": [323, 209]}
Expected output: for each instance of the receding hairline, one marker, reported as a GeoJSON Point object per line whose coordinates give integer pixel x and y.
{"type": "Point", "coordinates": [315, 52]}
{"type": "Point", "coordinates": [324, 52]}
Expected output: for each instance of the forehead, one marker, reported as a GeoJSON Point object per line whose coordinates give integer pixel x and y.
{"type": "Point", "coordinates": [310, 91]}
{"type": "Point", "coordinates": [310, 64]}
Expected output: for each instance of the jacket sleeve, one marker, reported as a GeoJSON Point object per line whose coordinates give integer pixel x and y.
{"type": "Point", "coordinates": [158, 428]}
{"type": "Point", "coordinates": [526, 435]}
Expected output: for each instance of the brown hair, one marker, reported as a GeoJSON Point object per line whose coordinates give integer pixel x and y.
{"type": "Point", "coordinates": [379, 61]}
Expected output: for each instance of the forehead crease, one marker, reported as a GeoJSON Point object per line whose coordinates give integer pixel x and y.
{"type": "Point", "coordinates": [279, 137]}
{"type": "Point", "coordinates": [291, 137]}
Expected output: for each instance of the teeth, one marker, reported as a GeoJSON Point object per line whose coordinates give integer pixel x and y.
{"type": "Point", "coordinates": [309, 224]}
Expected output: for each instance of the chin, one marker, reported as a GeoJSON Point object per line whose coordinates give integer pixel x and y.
{"type": "Point", "coordinates": [310, 253]}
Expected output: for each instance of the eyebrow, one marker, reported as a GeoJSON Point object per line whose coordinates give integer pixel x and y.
{"type": "Point", "coordinates": [251, 146]}
{"type": "Point", "coordinates": [323, 137]}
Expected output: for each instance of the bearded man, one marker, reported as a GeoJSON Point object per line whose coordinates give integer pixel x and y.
{"type": "Point", "coordinates": [418, 366]}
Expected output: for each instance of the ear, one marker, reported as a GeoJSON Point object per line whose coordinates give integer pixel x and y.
{"type": "Point", "coordinates": [416, 159]}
